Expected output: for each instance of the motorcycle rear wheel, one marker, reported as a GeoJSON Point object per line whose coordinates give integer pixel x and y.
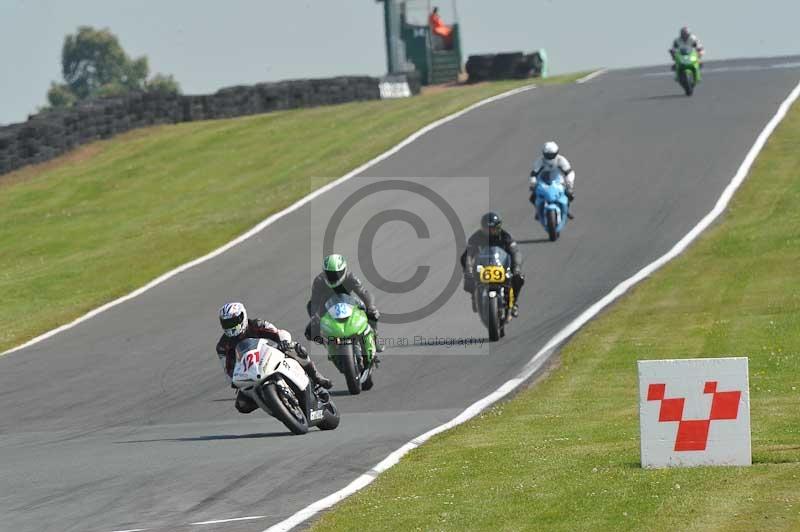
{"type": "Point", "coordinates": [330, 418]}
{"type": "Point", "coordinates": [272, 398]}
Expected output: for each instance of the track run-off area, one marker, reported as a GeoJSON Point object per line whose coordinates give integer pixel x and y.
{"type": "Point", "coordinates": [125, 421]}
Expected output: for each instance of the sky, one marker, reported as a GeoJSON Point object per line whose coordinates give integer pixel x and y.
{"type": "Point", "coordinates": [209, 44]}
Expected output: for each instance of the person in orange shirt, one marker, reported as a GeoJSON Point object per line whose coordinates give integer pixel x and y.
{"type": "Point", "coordinates": [440, 28]}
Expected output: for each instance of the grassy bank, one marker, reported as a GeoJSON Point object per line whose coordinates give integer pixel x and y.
{"type": "Point", "coordinates": [564, 454]}
{"type": "Point", "coordinates": [101, 221]}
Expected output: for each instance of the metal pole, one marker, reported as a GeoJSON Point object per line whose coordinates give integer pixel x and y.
{"type": "Point", "coordinates": [429, 46]}
{"type": "Point", "coordinates": [388, 30]}
{"type": "Point", "coordinates": [395, 52]}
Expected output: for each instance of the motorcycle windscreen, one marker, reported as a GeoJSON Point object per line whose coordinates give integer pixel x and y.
{"type": "Point", "coordinates": [341, 306]}
{"type": "Point", "coordinates": [492, 256]}
{"type": "Point", "coordinates": [248, 361]}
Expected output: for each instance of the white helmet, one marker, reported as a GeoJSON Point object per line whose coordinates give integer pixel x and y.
{"type": "Point", "coordinates": [233, 318]}
{"type": "Point", "coordinates": [550, 150]}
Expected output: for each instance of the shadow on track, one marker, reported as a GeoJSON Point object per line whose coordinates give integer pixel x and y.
{"type": "Point", "coordinates": [673, 96]}
{"type": "Point", "coordinates": [214, 437]}
{"type": "Point", "coordinates": [534, 241]}
{"type": "Point", "coordinates": [340, 393]}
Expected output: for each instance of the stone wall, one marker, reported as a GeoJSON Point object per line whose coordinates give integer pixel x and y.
{"type": "Point", "coordinates": [49, 134]}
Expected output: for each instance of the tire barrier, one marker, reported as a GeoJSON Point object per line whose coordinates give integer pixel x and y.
{"type": "Point", "coordinates": [49, 134]}
{"type": "Point", "coordinates": [515, 65]}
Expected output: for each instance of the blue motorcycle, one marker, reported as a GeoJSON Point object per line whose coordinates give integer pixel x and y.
{"type": "Point", "coordinates": [552, 204]}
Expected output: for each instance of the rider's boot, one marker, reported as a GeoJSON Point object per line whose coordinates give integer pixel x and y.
{"type": "Point", "coordinates": [323, 381]}
{"type": "Point", "coordinates": [322, 393]}
{"type": "Point", "coordinates": [571, 198]}
{"type": "Point", "coordinates": [515, 310]}
{"type": "Point", "coordinates": [318, 377]}
{"type": "Point", "coordinates": [302, 357]}
{"type": "Point", "coordinates": [379, 347]}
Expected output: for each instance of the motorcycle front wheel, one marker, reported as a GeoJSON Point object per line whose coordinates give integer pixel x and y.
{"type": "Point", "coordinates": [347, 363]}
{"type": "Point", "coordinates": [552, 225]}
{"type": "Point", "coordinates": [494, 320]}
{"type": "Point", "coordinates": [284, 409]}
{"type": "Point", "coordinates": [687, 82]}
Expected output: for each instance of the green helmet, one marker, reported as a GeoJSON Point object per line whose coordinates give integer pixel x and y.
{"type": "Point", "coordinates": [335, 268]}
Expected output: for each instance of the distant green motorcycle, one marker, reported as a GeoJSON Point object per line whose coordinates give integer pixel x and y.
{"type": "Point", "coordinates": [687, 67]}
{"type": "Point", "coordinates": [350, 340]}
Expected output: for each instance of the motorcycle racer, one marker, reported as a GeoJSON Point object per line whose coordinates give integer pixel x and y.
{"type": "Point", "coordinates": [236, 326]}
{"type": "Point", "coordinates": [549, 161]}
{"type": "Point", "coordinates": [492, 233]}
{"type": "Point", "coordinates": [336, 278]}
{"type": "Point", "coordinates": [686, 39]}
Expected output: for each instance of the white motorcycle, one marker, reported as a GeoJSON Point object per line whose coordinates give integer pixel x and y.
{"type": "Point", "coordinates": [280, 386]}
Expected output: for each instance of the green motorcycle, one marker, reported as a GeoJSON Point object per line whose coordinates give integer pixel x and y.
{"type": "Point", "coordinates": [687, 67]}
{"type": "Point", "coordinates": [350, 340]}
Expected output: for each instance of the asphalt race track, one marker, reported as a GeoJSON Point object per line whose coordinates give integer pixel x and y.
{"type": "Point", "coordinates": [126, 422]}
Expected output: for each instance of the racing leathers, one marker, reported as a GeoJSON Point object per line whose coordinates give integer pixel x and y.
{"type": "Point", "coordinates": [321, 292]}
{"type": "Point", "coordinates": [502, 239]}
{"type": "Point", "coordinates": [561, 164]}
{"type": "Point", "coordinates": [690, 41]}
{"type": "Point", "coordinates": [226, 351]}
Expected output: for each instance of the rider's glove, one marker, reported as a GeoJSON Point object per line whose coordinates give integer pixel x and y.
{"type": "Point", "coordinates": [285, 346]}
{"type": "Point", "coordinates": [300, 350]}
{"type": "Point", "coordinates": [373, 314]}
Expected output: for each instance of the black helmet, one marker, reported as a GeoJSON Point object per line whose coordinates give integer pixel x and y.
{"type": "Point", "coordinates": [491, 223]}
{"type": "Point", "coordinates": [685, 33]}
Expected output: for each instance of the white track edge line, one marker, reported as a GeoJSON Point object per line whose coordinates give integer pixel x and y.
{"type": "Point", "coordinates": [231, 520]}
{"type": "Point", "coordinates": [271, 219]}
{"type": "Point", "coordinates": [591, 76]}
{"type": "Point", "coordinates": [541, 357]}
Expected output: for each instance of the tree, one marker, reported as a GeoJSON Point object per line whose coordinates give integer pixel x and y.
{"type": "Point", "coordinates": [164, 84]}
{"type": "Point", "coordinates": [94, 63]}
{"type": "Point", "coordinates": [60, 95]}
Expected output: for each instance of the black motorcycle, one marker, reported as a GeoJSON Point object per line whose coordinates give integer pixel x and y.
{"type": "Point", "coordinates": [493, 295]}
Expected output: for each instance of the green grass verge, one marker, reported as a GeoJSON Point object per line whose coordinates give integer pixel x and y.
{"type": "Point", "coordinates": [564, 455]}
{"type": "Point", "coordinates": [102, 221]}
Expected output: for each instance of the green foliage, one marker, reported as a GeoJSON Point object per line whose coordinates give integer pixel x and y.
{"type": "Point", "coordinates": [94, 63]}
{"type": "Point", "coordinates": [163, 84]}
{"type": "Point", "coordinates": [91, 59]}
{"type": "Point", "coordinates": [60, 95]}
